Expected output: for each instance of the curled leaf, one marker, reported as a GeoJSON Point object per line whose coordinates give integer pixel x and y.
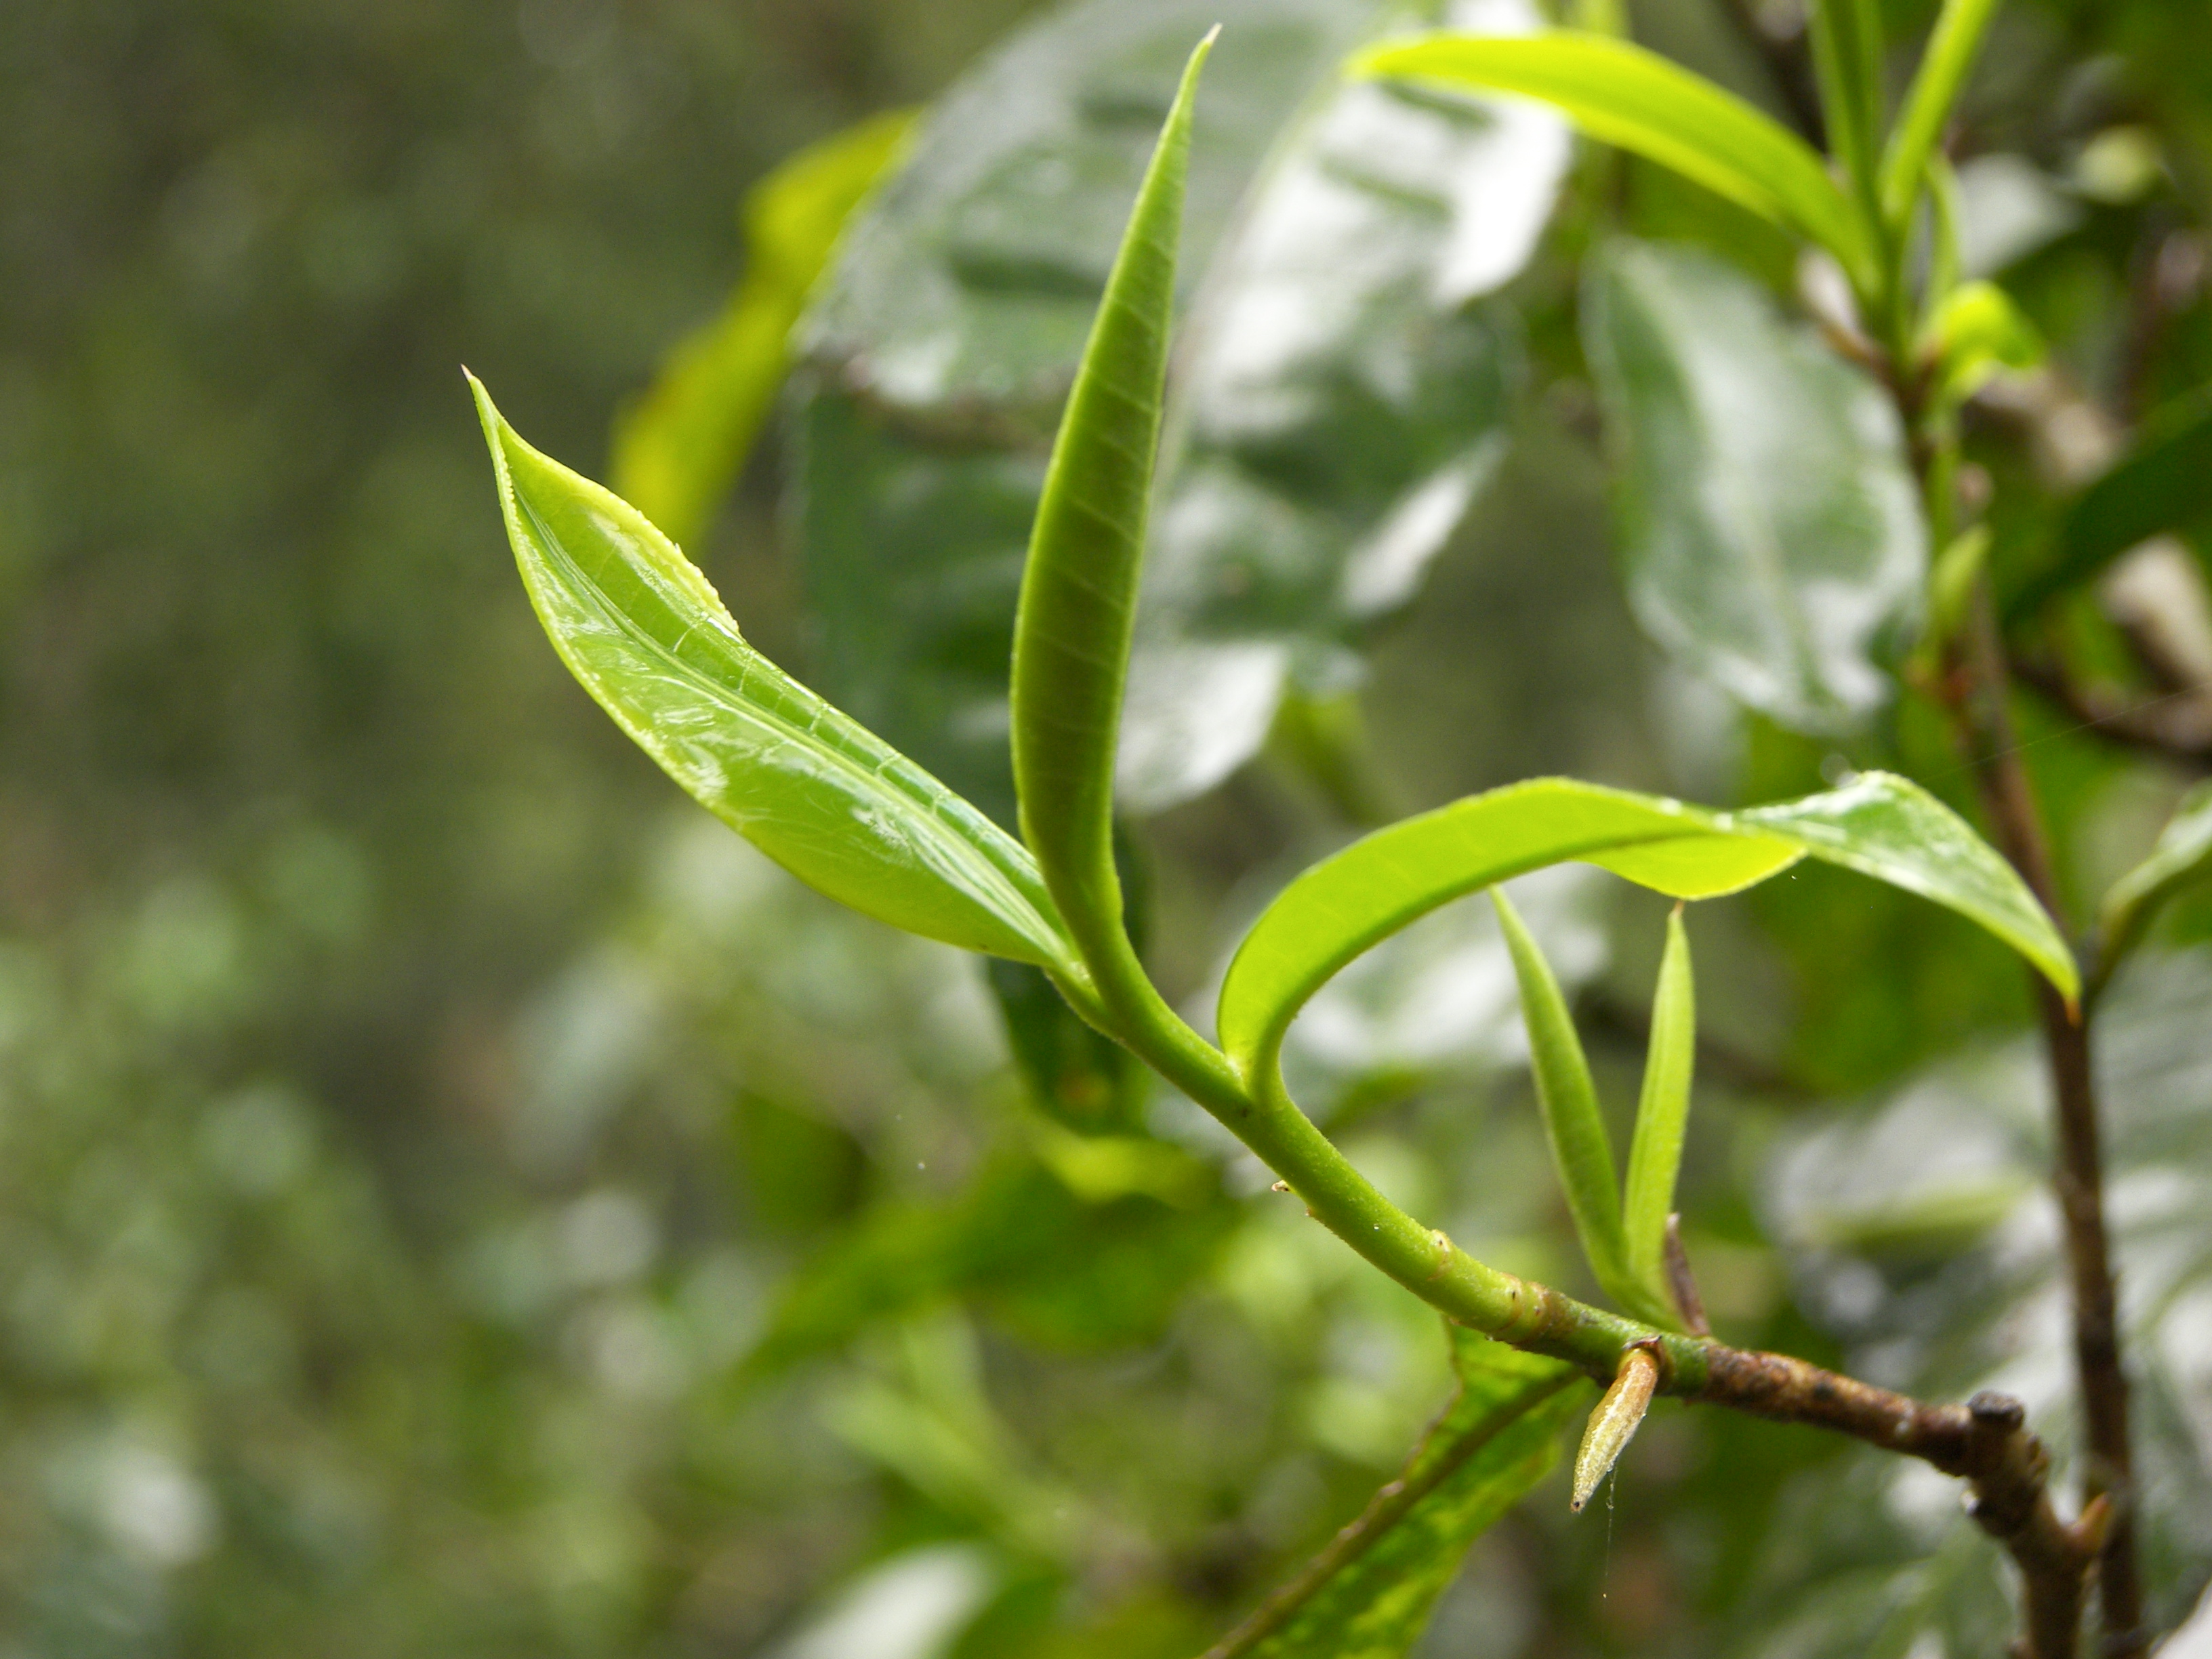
{"type": "Point", "coordinates": [1079, 589]}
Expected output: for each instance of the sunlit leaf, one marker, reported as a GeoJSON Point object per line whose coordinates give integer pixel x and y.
{"type": "Point", "coordinates": [679, 448]}
{"type": "Point", "coordinates": [1079, 597]}
{"type": "Point", "coordinates": [1625, 95]}
{"type": "Point", "coordinates": [1977, 331]}
{"type": "Point", "coordinates": [2183, 855]}
{"type": "Point", "coordinates": [1880, 825]}
{"type": "Point", "coordinates": [1662, 1115]}
{"type": "Point", "coordinates": [647, 637]}
{"type": "Point", "coordinates": [1370, 1593]}
{"type": "Point", "coordinates": [1771, 530]}
{"type": "Point", "coordinates": [2163, 482]}
{"type": "Point", "coordinates": [1439, 1001]}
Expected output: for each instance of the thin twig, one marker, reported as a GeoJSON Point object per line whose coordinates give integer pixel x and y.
{"type": "Point", "coordinates": [1980, 688]}
{"type": "Point", "coordinates": [2175, 725]}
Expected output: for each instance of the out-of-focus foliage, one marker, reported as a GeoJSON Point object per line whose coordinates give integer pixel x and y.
{"type": "Point", "coordinates": [677, 450]}
{"type": "Point", "coordinates": [1927, 1241]}
{"type": "Point", "coordinates": [1783, 583]}
{"type": "Point", "coordinates": [455, 1198]}
{"type": "Point", "coordinates": [1344, 400]}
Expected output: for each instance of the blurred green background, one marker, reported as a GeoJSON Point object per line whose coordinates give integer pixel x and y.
{"type": "Point", "coordinates": [377, 1224]}
{"type": "Point", "coordinates": [455, 1198]}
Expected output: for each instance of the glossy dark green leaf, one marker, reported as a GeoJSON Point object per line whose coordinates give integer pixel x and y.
{"type": "Point", "coordinates": [2162, 484]}
{"type": "Point", "coordinates": [1882, 826]}
{"type": "Point", "coordinates": [1770, 524]}
{"type": "Point", "coordinates": [1625, 95]}
{"type": "Point", "coordinates": [648, 638]}
{"type": "Point", "coordinates": [1370, 1593]}
{"type": "Point", "coordinates": [1662, 1115]}
{"type": "Point", "coordinates": [2183, 855]}
{"type": "Point", "coordinates": [679, 447]}
{"type": "Point", "coordinates": [1078, 598]}
{"type": "Point", "coordinates": [1340, 400]}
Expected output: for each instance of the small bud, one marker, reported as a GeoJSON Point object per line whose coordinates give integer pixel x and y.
{"type": "Point", "coordinates": [1614, 1423]}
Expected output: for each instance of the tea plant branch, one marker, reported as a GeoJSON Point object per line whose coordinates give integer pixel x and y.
{"type": "Point", "coordinates": [1976, 692]}
{"type": "Point", "coordinates": [1975, 688]}
{"type": "Point", "coordinates": [1984, 1441]}
{"type": "Point", "coordinates": [647, 635]}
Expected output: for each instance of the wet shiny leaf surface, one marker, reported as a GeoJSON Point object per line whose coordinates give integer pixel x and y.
{"type": "Point", "coordinates": [647, 637]}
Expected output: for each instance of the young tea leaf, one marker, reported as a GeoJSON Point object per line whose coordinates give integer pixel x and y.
{"type": "Point", "coordinates": [680, 446]}
{"type": "Point", "coordinates": [1662, 1115]}
{"type": "Point", "coordinates": [1882, 825]}
{"type": "Point", "coordinates": [1847, 58]}
{"type": "Point", "coordinates": [1369, 1593]}
{"type": "Point", "coordinates": [1582, 1151]}
{"type": "Point", "coordinates": [1928, 106]}
{"type": "Point", "coordinates": [1625, 95]}
{"type": "Point", "coordinates": [1079, 590]}
{"type": "Point", "coordinates": [647, 637]}
{"type": "Point", "coordinates": [1771, 528]}
{"type": "Point", "coordinates": [1975, 332]}
{"type": "Point", "coordinates": [2184, 854]}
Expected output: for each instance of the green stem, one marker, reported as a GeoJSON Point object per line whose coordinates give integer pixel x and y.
{"type": "Point", "coordinates": [2003, 1464]}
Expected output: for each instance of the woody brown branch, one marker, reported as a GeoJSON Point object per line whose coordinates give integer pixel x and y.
{"type": "Point", "coordinates": [1984, 1441]}
{"type": "Point", "coordinates": [1983, 719]}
